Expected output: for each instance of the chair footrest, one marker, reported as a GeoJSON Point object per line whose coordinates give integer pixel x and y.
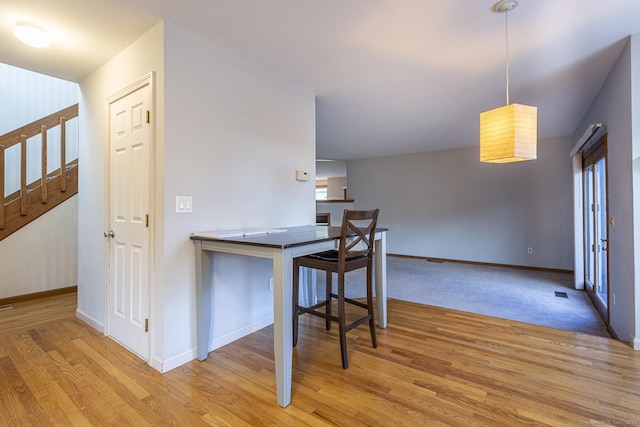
{"type": "Point", "coordinates": [315, 306]}
{"type": "Point", "coordinates": [348, 327]}
{"type": "Point", "coordinates": [351, 301]}
{"type": "Point", "coordinates": [357, 323]}
{"type": "Point", "coordinates": [311, 310]}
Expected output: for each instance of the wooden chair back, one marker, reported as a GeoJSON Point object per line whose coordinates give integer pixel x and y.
{"type": "Point", "coordinates": [357, 234]}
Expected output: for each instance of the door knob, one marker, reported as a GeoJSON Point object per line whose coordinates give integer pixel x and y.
{"type": "Point", "coordinates": [109, 233]}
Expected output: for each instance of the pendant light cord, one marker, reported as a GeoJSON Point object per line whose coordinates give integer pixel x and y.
{"type": "Point", "coordinates": [506, 30]}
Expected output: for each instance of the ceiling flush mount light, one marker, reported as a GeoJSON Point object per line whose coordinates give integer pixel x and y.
{"type": "Point", "coordinates": [32, 35]}
{"type": "Point", "coordinates": [510, 133]}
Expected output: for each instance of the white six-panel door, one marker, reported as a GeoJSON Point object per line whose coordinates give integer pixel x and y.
{"type": "Point", "coordinates": [129, 235]}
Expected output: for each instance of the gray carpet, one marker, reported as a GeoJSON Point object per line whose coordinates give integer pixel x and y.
{"type": "Point", "coordinates": [516, 294]}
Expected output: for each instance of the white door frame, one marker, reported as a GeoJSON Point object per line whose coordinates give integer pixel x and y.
{"type": "Point", "coordinates": [147, 79]}
{"type": "Point", "coordinates": [590, 136]}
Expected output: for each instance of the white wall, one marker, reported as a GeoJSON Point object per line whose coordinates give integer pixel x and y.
{"type": "Point", "coordinates": [447, 204]}
{"type": "Point", "coordinates": [42, 255]}
{"type": "Point", "coordinates": [140, 58]}
{"type": "Point", "coordinates": [335, 209]}
{"type": "Point", "coordinates": [336, 188]}
{"type": "Point", "coordinates": [228, 134]}
{"type": "Point", "coordinates": [235, 135]}
{"type": "Point", "coordinates": [635, 155]}
{"type": "Point", "coordinates": [614, 106]}
{"type": "Point", "coordinates": [26, 96]}
{"type": "Point", "coordinates": [328, 168]}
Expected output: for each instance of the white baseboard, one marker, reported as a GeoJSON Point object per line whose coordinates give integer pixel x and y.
{"type": "Point", "coordinates": [95, 324]}
{"type": "Point", "coordinates": [635, 341]}
{"type": "Point", "coordinates": [156, 363]}
{"type": "Point", "coordinates": [176, 361]}
{"type": "Point", "coordinates": [189, 355]}
{"type": "Point", "coordinates": [243, 332]}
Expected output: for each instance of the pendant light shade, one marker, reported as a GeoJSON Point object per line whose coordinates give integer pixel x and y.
{"type": "Point", "coordinates": [509, 134]}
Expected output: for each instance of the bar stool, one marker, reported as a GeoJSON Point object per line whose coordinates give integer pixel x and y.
{"type": "Point", "coordinates": [355, 251]}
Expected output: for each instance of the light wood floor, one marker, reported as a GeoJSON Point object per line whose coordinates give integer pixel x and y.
{"type": "Point", "coordinates": [433, 367]}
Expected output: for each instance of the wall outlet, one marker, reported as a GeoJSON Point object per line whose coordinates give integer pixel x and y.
{"type": "Point", "coordinates": [529, 250]}
{"type": "Point", "coordinates": [270, 284]}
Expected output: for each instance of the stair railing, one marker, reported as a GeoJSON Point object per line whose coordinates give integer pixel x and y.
{"type": "Point", "coordinates": [20, 136]}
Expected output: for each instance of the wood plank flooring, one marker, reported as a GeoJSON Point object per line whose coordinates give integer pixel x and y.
{"type": "Point", "coordinates": [433, 366]}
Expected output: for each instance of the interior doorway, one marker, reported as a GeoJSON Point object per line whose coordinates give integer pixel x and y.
{"type": "Point", "coordinates": [596, 259]}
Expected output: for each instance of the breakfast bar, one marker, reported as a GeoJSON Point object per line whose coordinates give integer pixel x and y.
{"type": "Point", "coordinates": [281, 246]}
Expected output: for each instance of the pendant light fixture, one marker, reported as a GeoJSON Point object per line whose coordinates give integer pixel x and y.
{"type": "Point", "coordinates": [510, 133]}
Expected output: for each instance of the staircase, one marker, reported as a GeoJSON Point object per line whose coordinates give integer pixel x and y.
{"type": "Point", "coordinates": [36, 198]}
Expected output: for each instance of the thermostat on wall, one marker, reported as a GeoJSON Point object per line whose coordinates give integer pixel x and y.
{"type": "Point", "coordinates": [302, 175]}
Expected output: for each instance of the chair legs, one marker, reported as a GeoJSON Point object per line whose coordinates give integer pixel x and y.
{"type": "Point", "coordinates": [328, 289]}
{"type": "Point", "coordinates": [343, 328]}
{"type": "Point", "coordinates": [296, 290]}
{"type": "Point", "coordinates": [297, 310]}
{"type": "Point", "coordinates": [341, 323]}
{"type": "Point", "coordinates": [372, 325]}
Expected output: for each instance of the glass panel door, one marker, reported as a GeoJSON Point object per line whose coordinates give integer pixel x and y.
{"type": "Point", "coordinates": [589, 229]}
{"type": "Point", "coordinates": [600, 174]}
{"type": "Point", "coordinates": [595, 226]}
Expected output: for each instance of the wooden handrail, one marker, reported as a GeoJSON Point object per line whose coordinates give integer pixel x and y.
{"type": "Point", "coordinates": [8, 198]}
{"type": "Point", "coordinates": [20, 136]}
{"type": "Point", "coordinates": [63, 154]}
{"type": "Point", "coordinates": [34, 128]}
{"type": "Point", "coordinates": [14, 221]}
{"type": "Point", "coordinates": [43, 164]}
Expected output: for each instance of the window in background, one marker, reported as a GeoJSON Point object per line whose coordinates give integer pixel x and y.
{"type": "Point", "coordinates": [321, 192]}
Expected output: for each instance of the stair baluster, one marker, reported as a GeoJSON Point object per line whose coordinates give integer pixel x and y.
{"type": "Point", "coordinates": [23, 175]}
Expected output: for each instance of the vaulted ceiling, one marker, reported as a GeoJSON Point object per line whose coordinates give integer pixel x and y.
{"type": "Point", "coordinates": [390, 76]}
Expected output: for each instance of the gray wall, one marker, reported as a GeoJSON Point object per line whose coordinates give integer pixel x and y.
{"type": "Point", "coordinates": [613, 107]}
{"type": "Point", "coordinates": [447, 204]}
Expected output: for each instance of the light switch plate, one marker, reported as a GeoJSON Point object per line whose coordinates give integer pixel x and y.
{"type": "Point", "coordinates": [184, 204]}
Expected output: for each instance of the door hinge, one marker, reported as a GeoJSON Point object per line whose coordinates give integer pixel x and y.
{"type": "Point", "coordinates": [146, 221]}
{"type": "Point", "coordinates": [146, 325]}
{"type": "Point", "coordinates": [148, 116]}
